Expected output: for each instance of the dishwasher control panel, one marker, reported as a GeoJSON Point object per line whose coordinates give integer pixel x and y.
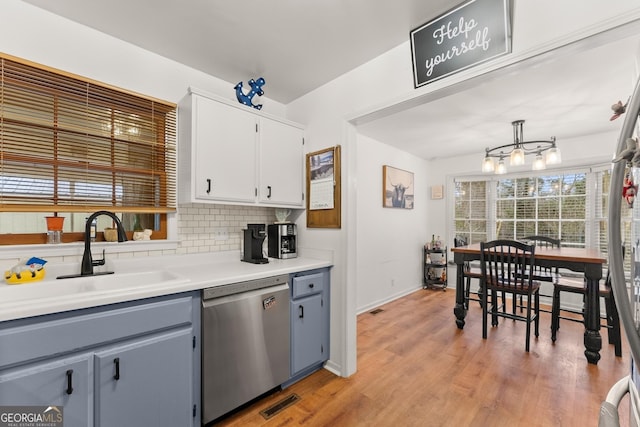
{"type": "Point", "coordinates": [250, 285]}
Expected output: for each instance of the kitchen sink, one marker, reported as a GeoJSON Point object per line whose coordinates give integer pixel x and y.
{"type": "Point", "coordinates": [89, 285]}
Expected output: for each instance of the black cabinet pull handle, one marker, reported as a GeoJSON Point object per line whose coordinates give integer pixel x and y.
{"type": "Point", "coordinates": [301, 312]}
{"type": "Point", "coordinates": [116, 362]}
{"type": "Point", "coordinates": [69, 381]}
{"type": "Point", "coordinates": [269, 190]}
{"type": "Point", "coordinates": [208, 185]}
{"type": "Point", "coordinates": [311, 285]}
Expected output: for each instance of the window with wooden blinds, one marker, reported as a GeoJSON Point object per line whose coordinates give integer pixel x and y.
{"type": "Point", "coordinates": [70, 144]}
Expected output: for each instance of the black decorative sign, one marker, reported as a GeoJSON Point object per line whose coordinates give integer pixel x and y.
{"type": "Point", "coordinates": [472, 33]}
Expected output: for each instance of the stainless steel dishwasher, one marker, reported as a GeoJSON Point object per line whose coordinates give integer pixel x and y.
{"type": "Point", "coordinates": [245, 342]}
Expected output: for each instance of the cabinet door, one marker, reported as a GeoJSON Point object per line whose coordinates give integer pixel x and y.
{"type": "Point", "coordinates": [146, 383]}
{"type": "Point", "coordinates": [281, 163]}
{"type": "Point", "coordinates": [64, 384]}
{"type": "Point", "coordinates": [225, 152]}
{"type": "Point", "coordinates": [307, 332]}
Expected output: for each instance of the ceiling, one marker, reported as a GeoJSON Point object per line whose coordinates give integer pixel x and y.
{"type": "Point", "coordinates": [297, 46]}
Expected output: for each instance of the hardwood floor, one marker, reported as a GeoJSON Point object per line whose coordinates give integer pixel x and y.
{"type": "Point", "coordinates": [416, 368]}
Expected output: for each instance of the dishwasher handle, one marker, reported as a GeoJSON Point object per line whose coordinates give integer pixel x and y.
{"type": "Point", "coordinates": [228, 298]}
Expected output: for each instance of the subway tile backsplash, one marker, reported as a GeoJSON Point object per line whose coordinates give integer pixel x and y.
{"type": "Point", "coordinates": [211, 228]}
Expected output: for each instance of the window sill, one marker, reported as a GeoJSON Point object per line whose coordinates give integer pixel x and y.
{"type": "Point", "coordinates": [77, 248]}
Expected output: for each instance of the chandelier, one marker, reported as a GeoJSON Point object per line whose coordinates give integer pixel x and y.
{"type": "Point", "coordinates": [517, 151]}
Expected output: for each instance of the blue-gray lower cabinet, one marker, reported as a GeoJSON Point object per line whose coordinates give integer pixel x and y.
{"type": "Point", "coordinates": [160, 366]}
{"type": "Point", "coordinates": [307, 334]}
{"type": "Point", "coordinates": [63, 382]}
{"type": "Point", "coordinates": [128, 364]}
{"type": "Point", "coordinates": [309, 322]}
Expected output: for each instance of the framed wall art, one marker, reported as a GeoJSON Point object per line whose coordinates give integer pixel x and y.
{"type": "Point", "coordinates": [397, 188]}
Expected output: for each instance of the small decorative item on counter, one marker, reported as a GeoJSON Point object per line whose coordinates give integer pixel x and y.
{"type": "Point", "coordinates": [110, 234]}
{"type": "Point", "coordinates": [54, 228]}
{"type": "Point", "coordinates": [136, 223]}
{"type": "Point", "coordinates": [143, 235]}
{"type": "Point", "coordinates": [30, 271]}
{"type": "Point", "coordinates": [282, 215]}
{"type": "Point", "coordinates": [138, 232]}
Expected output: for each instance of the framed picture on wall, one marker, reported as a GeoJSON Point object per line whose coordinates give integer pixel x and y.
{"type": "Point", "coordinates": [397, 188]}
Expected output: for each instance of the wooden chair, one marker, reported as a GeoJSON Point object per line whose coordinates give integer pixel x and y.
{"type": "Point", "coordinates": [542, 274]}
{"type": "Point", "coordinates": [612, 320]}
{"type": "Point", "coordinates": [469, 273]}
{"type": "Point", "coordinates": [505, 268]}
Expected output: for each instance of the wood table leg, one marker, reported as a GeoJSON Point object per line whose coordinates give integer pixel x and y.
{"type": "Point", "coordinates": [459, 310]}
{"type": "Point", "coordinates": [592, 338]}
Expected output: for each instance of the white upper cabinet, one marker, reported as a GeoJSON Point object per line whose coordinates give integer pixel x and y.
{"type": "Point", "coordinates": [281, 163]}
{"type": "Point", "coordinates": [225, 152]}
{"type": "Point", "coordinates": [230, 154]}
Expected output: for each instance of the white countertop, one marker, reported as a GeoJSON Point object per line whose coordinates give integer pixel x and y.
{"type": "Point", "coordinates": [137, 278]}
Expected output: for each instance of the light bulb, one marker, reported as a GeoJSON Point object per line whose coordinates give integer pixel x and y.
{"type": "Point", "coordinates": [517, 157]}
{"type": "Point", "coordinates": [501, 169]}
{"type": "Point", "coordinates": [553, 156]}
{"type": "Point", "coordinates": [538, 163]}
{"type": "Point", "coordinates": [488, 164]}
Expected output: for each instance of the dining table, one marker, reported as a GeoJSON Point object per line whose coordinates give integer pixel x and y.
{"type": "Point", "coordinates": [584, 260]}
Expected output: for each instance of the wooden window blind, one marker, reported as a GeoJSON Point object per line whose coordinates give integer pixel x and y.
{"type": "Point", "coordinates": [70, 144]}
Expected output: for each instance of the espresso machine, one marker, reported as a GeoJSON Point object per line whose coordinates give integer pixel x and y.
{"type": "Point", "coordinates": [254, 236]}
{"type": "Point", "coordinates": [282, 240]}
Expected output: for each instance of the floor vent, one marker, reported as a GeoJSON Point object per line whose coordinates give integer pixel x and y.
{"type": "Point", "coordinates": [279, 406]}
{"type": "Point", "coordinates": [376, 311]}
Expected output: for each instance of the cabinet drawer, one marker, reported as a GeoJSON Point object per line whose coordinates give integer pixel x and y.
{"type": "Point", "coordinates": [307, 285]}
{"type": "Point", "coordinates": [34, 338]}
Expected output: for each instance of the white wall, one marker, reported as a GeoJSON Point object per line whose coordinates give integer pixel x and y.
{"type": "Point", "coordinates": [390, 240]}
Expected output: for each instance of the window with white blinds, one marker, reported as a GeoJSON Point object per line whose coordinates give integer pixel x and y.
{"type": "Point", "coordinates": [550, 205]}
{"type": "Point", "coordinates": [570, 205]}
{"type": "Point", "coordinates": [470, 211]}
{"type": "Point", "coordinates": [73, 145]}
